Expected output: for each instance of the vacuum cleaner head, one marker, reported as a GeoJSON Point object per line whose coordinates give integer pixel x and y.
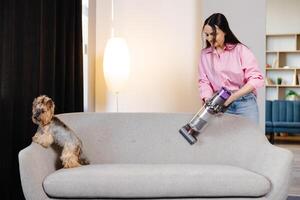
{"type": "Point", "coordinates": [189, 134]}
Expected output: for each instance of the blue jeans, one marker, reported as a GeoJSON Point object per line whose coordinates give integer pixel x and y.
{"type": "Point", "coordinates": [245, 106]}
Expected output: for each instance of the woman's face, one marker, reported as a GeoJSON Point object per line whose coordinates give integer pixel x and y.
{"type": "Point", "coordinates": [209, 36]}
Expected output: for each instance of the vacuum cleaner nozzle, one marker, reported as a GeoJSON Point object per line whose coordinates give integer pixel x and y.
{"type": "Point", "coordinates": [189, 134]}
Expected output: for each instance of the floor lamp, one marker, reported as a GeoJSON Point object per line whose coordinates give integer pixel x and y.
{"type": "Point", "coordinates": [116, 60]}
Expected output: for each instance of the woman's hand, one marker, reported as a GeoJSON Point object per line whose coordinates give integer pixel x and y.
{"type": "Point", "coordinates": [202, 102]}
{"type": "Point", "coordinates": [231, 99]}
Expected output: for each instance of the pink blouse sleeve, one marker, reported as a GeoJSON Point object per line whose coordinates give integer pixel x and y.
{"type": "Point", "coordinates": [251, 69]}
{"type": "Point", "coordinates": [204, 84]}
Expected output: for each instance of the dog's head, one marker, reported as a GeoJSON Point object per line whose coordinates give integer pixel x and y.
{"type": "Point", "coordinates": [42, 110]}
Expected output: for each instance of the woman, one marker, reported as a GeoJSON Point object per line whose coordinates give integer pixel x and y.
{"type": "Point", "coordinates": [226, 62]}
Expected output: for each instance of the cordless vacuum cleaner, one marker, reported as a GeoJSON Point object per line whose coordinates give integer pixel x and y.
{"type": "Point", "coordinates": [215, 105]}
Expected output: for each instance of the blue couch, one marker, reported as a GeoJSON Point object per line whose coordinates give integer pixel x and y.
{"type": "Point", "coordinates": [282, 116]}
{"type": "Point", "coordinates": [269, 124]}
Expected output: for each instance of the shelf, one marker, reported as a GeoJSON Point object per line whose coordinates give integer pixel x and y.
{"type": "Point", "coordinates": [281, 68]}
{"type": "Point", "coordinates": [282, 34]}
{"type": "Point", "coordinates": [282, 50]}
{"type": "Point", "coordinates": [284, 86]}
{"type": "Point", "coordinates": [282, 42]}
{"type": "Point", "coordinates": [289, 86]}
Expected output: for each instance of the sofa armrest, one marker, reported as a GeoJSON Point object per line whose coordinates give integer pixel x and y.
{"type": "Point", "coordinates": [274, 163]}
{"type": "Point", "coordinates": [35, 163]}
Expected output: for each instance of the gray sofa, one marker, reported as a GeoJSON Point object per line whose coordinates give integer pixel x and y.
{"type": "Point", "coordinates": [142, 155]}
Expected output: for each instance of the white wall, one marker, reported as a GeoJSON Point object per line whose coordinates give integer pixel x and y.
{"type": "Point", "coordinates": [247, 21]}
{"type": "Point", "coordinates": [283, 16]}
{"type": "Point", "coordinates": [164, 42]}
{"type": "Point", "coordinates": [164, 38]}
{"type": "Point", "coordinates": [89, 105]}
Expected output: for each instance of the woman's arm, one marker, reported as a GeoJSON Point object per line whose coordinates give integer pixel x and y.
{"type": "Point", "coordinates": [241, 92]}
{"type": "Point", "coordinates": [252, 74]}
{"type": "Point", "coordinates": [204, 85]}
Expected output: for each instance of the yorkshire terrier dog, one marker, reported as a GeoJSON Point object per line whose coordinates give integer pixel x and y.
{"type": "Point", "coordinates": [52, 130]}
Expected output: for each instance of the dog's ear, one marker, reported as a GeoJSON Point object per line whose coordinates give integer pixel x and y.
{"type": "Point", "coordinates": [50, 104]}
{"type": "Point", "coordinates": [34, 102]}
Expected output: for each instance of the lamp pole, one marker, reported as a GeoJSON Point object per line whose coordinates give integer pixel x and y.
{"type": "Point", "coordinates": [117, 101]}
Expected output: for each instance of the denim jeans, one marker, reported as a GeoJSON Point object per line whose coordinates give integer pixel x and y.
{"type": "Point", "coordinates": [245, 106]}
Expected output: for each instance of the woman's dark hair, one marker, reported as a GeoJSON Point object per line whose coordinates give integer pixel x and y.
{"type": "Point", "coordinates": [218, 19]}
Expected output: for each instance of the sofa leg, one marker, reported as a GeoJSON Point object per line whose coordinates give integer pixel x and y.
{"type": "Point", "coordinates": [272, 138]}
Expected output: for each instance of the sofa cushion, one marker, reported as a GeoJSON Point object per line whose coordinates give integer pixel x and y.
{"type": "Point", "coordinates": [287, 124]}
{"type": "Point", "coordinates": [155, 180]}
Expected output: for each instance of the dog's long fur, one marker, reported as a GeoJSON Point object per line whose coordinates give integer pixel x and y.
{"type": "Point", "coordinates": [53, 130]}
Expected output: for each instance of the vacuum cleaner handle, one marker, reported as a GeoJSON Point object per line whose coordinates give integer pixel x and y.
{"type": "Point", "coordinates": [224, 108]}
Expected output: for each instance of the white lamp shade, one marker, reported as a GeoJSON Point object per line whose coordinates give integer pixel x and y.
{"type": "Point", "coordinates": [116, 64]}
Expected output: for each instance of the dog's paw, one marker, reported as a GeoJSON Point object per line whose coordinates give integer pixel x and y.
{"type": "Point", "coordinates": [35, 139]}
{"type": "Point", "coordinates": [71, 165]}
{"type": "Point", "coordinates": [45, 145]}
{"type": "Point", "coordinates": [70, 161]}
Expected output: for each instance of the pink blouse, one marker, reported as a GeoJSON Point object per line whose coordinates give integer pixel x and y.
{"type": "Point", "coordinates": [233, 68]}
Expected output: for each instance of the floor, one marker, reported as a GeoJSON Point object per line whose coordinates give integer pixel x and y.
{"type": "Point", "coordinates": [293, 146]}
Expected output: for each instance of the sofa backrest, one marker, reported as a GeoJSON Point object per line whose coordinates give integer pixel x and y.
{"type": "Point", "coordinates": [286, 111]}
{"type": "Point", "coordinates": [268, 111]}
{"type": "Point", "coordinates": [154, 138]}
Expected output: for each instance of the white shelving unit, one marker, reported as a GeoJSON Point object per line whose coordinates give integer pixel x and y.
{"type": "Point", "coordinates": [283, 61]}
